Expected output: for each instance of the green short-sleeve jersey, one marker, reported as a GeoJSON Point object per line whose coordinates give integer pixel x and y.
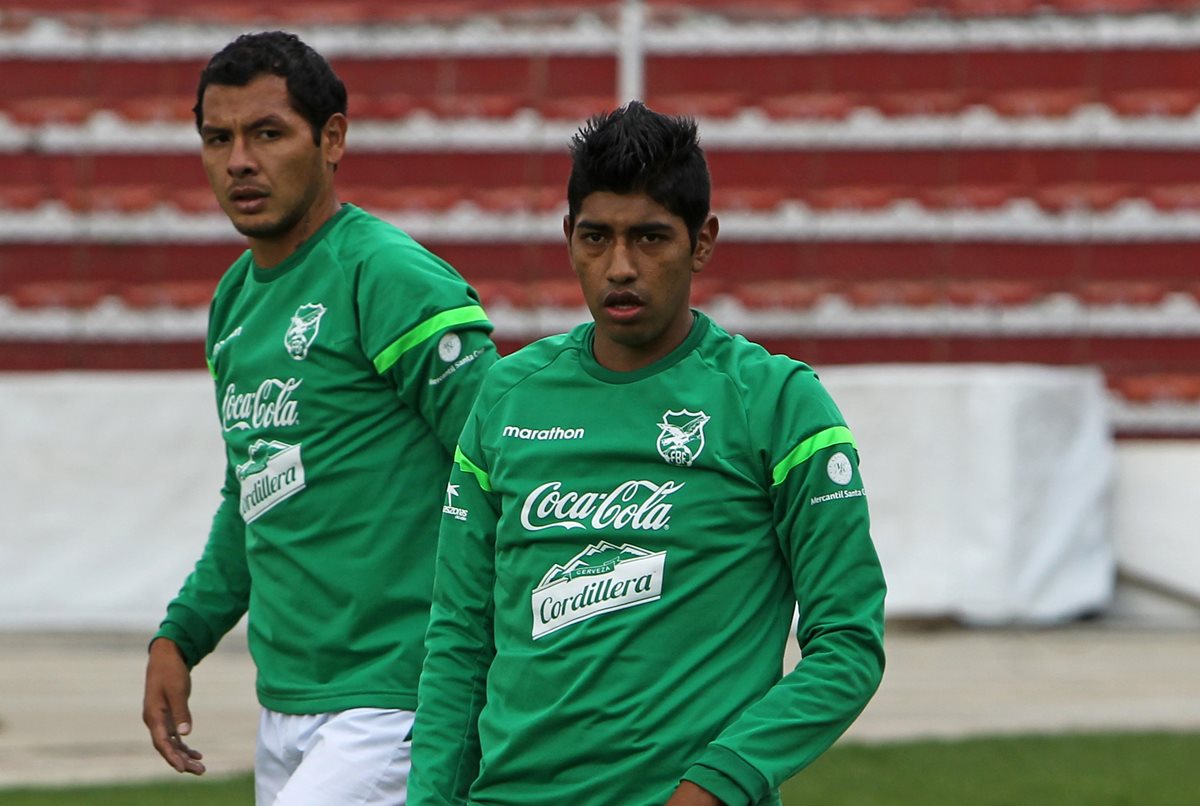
{"type": "Point", "coordinates": [621, 556]}
{"type": "Point", "coordinates": [343, 376]}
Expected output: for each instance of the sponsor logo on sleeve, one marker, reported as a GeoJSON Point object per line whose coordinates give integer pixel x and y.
{"type": "Point", "coordinates": [302, 330]}
{"type": "Point", "coordinates": [273, 473]}
{"type": "Point", "coordinates": [450, 347]}
{"type": "Point", "coordinates": [602, 578]}
{"type": "Point", "coordinates": [681, 436]}
{"type": "Point", "coordinates": [457, 364]}
{"type": "Point", "coordinates": [840, 472]}
{"type": "Point", "coordinates": [458, 513]}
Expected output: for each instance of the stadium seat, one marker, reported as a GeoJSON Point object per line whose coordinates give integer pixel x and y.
{"type": "Point", "coordinates": [1037, 103]}
{"type": "Point", "coordinates": [155, 108]}
{"type": "Point", "coordinates": [1158, 387]}
{"type": "Point", "coordinates": [905, 293]}
{"type": "Point", "coordinates": [477, 105]}
{"type": "Point", "coordinates": [199, 199]}
{"type": "Point", "coordinates": [747, 198]}
{"type": "Point", "coordinates": [699, 104]}
{"type": "Point", "coordinates": [384, 107]}
{"type": "Point", "coordinates": [968, 196]}
{"type": "Point", "coordinates": [1175, 198]}
{"type": "Point", "coordinates": [854, 197]}
{"type": "Point", "coordinates": [40, 111]}
{"type": "Point", "coordinates": [555, 294]}
{"type": "Point", "coordinates": [22, 196]}
{"type": "Point", "coordinates": [809, 105]}
{"type": "Point", "coordinates": [991, 293]}
{"type": "Point", "coordinates": [1067, 196]}
{"type": "Point", "coordinates": [573, 107]}
{"type": "Point", "coordinates": [502, 292]}
{"type": "Point", "coordinates": [75, 295]}
{"type": "Point", "coordinates": [412, 198]}
{"type": "Point", "coordinates": [919, 103]}
{"type": "Point", "coordinates": [792, 294]}
{"type": "Point", "coordinates": [992, 8]}
{"type": "Point", "coordinates": [182, 295]}
{"type": "Point", "coordinates": [1122, 292]}
{"type": "Point", "coordinates": [1154, 102]}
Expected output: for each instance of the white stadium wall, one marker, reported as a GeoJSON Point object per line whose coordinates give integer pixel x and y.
{"type": "Point", "coordinates": [997, 496]}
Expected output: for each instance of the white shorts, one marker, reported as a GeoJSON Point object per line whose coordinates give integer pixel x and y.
{"type": "Point", "coordinates": [346, 758]}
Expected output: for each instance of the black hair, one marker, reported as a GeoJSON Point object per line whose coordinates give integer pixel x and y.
{"type": "Point", "coordinates": [637, 150]}
{"type": "Point", "coordinates": [314, 90]}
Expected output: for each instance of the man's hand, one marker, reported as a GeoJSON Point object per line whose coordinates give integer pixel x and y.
{"type": "Point", "coordinates": [165, 706]}
{"type": "Point", "coordinates": [689, 794]}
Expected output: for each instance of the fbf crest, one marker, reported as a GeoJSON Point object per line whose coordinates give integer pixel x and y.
{"type": "Point", "coordinates": [681, 436]}
{"type": "Point", "coordinates": [302, 330]}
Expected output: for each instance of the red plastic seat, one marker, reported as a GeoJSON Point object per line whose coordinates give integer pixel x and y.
{"type": "Point", "coordinates": [408, 198]}
{"type": "Point", "coordinates": [391, 106]}
{"type": "Point", "coordinates": [1174, 198]}
{"type": "Point", "coordinates": [747, 198]}
{"type": "Point", "coordinates": [1158, 387]}
{"type": "Point", "coordinates": [700, 104]}
{"type": "Point", "coordinates": [919, 103]}
{"type": "Point", "coordinates": [969, 196]}
{"type": "Point", "coordinates": [477, 105]}
{"type": "Point", "coordinates": [1122, 292]}
{"type": "Point", "coordinates": [906, 293]}
{"type": "Point", "coordinates": [519, 199]}
{"type": "Point", "coordinates": [1105, 6]}
{"type": "Point", "coordinates": [50, 109]}
{"type": "Point", "coordinates": [194, 199]}
{"type": "Point", "coordinates": [22, 197]}
{"type": "Point", "coordinates": [80, 295]}
{"type": "Point", "coordinates": [997, 293]}
{"type": "Point", "coordinates": [885, 9]}
{"type": "Point", "coordinates": [555, 294]}
{"type": "Point", "coordinates": [854, 197]}
{"type": "Point", "coordinates": [793, 294]}
{"type": "Point", "coordinates": [810, 105]}
{"type": "Point", "coordinates": [705, 290]}
{"type": "Point", "coordinates": [181, 295]}
{"type": "Point", "coordinates": [574, 107]}
{"type": "Point", "coordinates": [992, 8]}
{"type": "Point", "coordinates": [1041, 103]}
{"type": "Point", "coordinates": [1064, 196]}
{"type": "Point", "coordinates": [155, 108]}
{"type": "Point", "coordinates": [1154, 102]}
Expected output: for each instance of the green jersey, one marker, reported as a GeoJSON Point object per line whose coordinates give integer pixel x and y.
{"type": "Point", "coordinates": [343, 377]}
{"type": "Point", "coordinates": [621, 555]}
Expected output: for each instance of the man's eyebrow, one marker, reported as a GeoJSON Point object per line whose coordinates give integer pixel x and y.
{"type": "Point", "coordinates": [263, 122]}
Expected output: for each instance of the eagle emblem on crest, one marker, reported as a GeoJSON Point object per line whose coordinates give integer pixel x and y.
{"type": "Point", "coordinates": [681, 436]}
{"type": "Point", "coordinates": [302, 330]}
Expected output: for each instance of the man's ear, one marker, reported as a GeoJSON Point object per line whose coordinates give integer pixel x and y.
{"type": "Point", "coordinates": [567, 226]}
{"type": "Point", "coordinates": [706, 242]}
{"type": "Point", "coordinates": [333, 138]}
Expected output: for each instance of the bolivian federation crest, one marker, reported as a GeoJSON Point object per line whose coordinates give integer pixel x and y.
{"type": "Point", "coordinates": [302, 330]}
{"type": "Point", "coordinates": [681, 436]}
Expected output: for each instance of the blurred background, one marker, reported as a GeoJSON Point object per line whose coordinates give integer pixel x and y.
{"type": "Point", "coordinates": [978, 219]}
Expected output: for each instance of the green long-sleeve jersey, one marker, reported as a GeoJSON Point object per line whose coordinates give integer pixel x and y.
{"type": "Point", "coordinates": [343, 377]}
{"type": "Point", "coordinates": [621, 554]}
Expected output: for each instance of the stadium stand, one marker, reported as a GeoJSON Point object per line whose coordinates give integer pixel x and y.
{"type": "Point", "coordinates": [899, 180]}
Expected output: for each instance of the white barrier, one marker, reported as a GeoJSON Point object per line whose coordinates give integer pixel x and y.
{"type": "Point", "coordinates": [986, 488]}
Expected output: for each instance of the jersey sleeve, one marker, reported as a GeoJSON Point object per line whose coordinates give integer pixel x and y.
{"type": "Point", "coordinates": [459, 644]}
{"type": "Point", "coordinates": [424, 329]}
{"type": "Point", "coordinates": [823, 529]}
{"type": "Point", "coordinates": [217, 592]}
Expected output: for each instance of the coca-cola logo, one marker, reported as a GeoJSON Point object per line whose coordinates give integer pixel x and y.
{"type": "Point", "coordinates": [632, 505]}
{"type": "Point", "coordinates": [269, 406]}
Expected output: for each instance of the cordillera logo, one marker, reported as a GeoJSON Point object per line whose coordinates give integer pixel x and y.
{"type": "Point", "coordinates": [681, 436]}
{"type": "Point", "coordinates": [600, 579]}
{"type": "Point", "coordinates": [273, 473]}
{"type": "Point", "coordinates": [302, 330]}
{"type": "Point", "coordinates": [631, 505]}
{"type": "Point", "coordinates": [269, 406]}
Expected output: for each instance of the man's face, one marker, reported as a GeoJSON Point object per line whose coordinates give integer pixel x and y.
{"type": "Point", "coordinates": [635, 263]}
{"type": "Point", "coordinates": [260, 158]}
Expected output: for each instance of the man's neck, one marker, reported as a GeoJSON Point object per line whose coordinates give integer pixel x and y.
{"type": "Point", "coordinates": [270, 252]}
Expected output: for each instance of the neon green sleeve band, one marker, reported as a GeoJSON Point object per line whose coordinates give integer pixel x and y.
{"type": "Point", "coordinates": [469, 314]}
{"type": "Point", "coordinates": [468, 466]}
{"type": "Point", "coordinates": [838, 435]}
{"type": "Point", "coordinates": [211, 369]}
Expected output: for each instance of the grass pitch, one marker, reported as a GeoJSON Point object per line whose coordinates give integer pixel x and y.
{"type": "Point", "coordinates": [1126, 769]}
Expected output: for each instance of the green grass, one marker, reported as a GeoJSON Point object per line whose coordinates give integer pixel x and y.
{"type": "Point", "coordinates": [1157, 769]}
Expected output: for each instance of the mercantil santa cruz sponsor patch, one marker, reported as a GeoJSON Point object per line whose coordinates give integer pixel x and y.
{"type": "Point", "coordinates": [602, 578]}
{"type": "Point", "coordinates": [839, 469]}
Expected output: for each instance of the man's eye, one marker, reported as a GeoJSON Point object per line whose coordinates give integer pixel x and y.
{"type": "Point", "coordinates": [269, 134]}
{"type": "Point", "coordinates": [215, 139]}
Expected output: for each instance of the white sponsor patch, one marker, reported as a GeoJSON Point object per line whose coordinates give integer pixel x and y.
{"type": "Point", "coordinates": [450, 347]}
{"type": "Point", "coordinates": [635, 504]}
{"type": "Point", "coordinates": [458, 513]}
{"type": "Point", "coordinates": [600, 579]}
{"type": "Point", "coordinates": [839, 469]}
{"type": "Point", "coordinates": [273, 474]}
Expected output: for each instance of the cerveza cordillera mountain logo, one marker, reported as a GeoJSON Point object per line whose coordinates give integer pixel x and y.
{"type": "Point", "coordinates": [273, 473]}
{"type": "Point", "coordinates": [602, 578]}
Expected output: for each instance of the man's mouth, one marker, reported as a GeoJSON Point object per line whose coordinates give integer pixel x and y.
{"type": "Point", "coordinates": [248, 200]}
{"type": "Point", "coordinates": [623, 305]}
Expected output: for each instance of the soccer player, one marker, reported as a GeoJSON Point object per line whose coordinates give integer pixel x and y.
{"type": "Point", "coordinates": [346, 358]}
{"type": "Point", "coordinates": [635, 510]}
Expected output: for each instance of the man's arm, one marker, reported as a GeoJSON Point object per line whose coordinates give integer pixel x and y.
{"type": "Point", "coordinates": [213, 598]}
{"type": "Point", "coordinates": [460, 643]}
{"type": "Point", "coordinates": [840, 590]}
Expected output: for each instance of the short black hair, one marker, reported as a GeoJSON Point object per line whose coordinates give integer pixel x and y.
{"type": "Point", "coordinates": [634, 149]}
{"type": "Point", "coordinates": [314, 90]}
